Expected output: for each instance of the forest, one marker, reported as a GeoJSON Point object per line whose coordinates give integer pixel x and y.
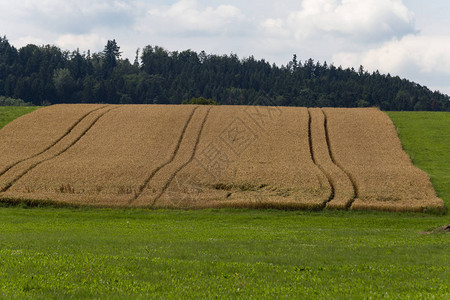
{"type": "Point", "coordinates": [44, 75]}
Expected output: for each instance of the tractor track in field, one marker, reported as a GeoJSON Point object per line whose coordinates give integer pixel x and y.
{"type": "Point", "coordinates": [34, 165]}
{"type": "Point", "coordinates": [53, 144]}
{"type": "Point", "coordinates": [145, 156]}
{"type": "Point", "coordinates": [171, 159]}
{"type": "Point", "coordinates": [327, 176]}
{"type": "Point", "coordinates": [350, 177]}
{"type": "Point", "coordinates": [194, 151]}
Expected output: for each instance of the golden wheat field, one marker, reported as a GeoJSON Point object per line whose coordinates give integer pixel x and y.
{"type": "Point", "coordinates": [167, 156]}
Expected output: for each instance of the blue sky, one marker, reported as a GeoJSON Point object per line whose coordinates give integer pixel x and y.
{"type": "Point", "coordinates": [409, 38]}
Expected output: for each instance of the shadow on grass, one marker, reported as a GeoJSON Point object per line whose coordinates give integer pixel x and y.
{"type": "Point", "coordinates": [39, 203]}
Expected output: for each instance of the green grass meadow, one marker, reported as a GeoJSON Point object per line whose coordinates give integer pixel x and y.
{"type": "Point", "coordinates": [175, 254]}
{"type": "Point", "coordinates": [9, 113]}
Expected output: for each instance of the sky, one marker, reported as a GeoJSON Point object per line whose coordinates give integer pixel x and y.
{"type": "Point", "coordinates": [408, 38]}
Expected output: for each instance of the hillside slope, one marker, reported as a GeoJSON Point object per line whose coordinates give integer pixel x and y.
{"type": "Point", "coordinates": [203, 156]}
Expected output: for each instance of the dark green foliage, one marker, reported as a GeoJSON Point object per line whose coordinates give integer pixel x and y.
{"type": "Point", "coordinates": [6, 101]}
{"type": "Point", "coordinates": [200, 101]}
{"type": "Point", "coordinates": [46, 74]}
{"type": "Point", "coordinates": [111, 56]}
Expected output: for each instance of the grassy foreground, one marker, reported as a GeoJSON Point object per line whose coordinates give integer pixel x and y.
{"type": "Point", "coordinates": [46, 253]}
{"type": "Point", "coordinates": [88, 253]}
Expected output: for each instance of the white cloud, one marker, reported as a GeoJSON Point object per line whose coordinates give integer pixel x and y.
{"type": "Point", "coordinates": [25, 40]}
{"type": "Point", "coordinates": [365, 20]}
{"type": "Point", "coordinates": [83, 41]}
{"type": "Point", "coordinates": [72, 16]}
{"type": "Point", "coordinates": [188, 16]}
{"type": "Point", "coordinates": [426, 54]}
{"type": "Point", "coordinates": [423, 59]}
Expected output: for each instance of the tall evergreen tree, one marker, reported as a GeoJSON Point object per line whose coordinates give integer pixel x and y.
{"type": "Point", "coordinates": [111, 54]}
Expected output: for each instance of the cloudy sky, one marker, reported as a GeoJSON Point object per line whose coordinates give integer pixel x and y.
{"type": "Point", "coordinates": [409, 38]}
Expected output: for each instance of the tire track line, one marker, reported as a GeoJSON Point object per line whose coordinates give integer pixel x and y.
{"type": "Point", "coordinates": [53, 144]}
{"type": "Point", "coordinates": [349, 175]}
{"type": "Point", "coordinates": [171, 159]}
{"type": "Point", "coordinates": [11, 183]}
{"type": "Point", "coordinates": [333, 188]}
{"type": "Point", "coordinates": [194, 151]}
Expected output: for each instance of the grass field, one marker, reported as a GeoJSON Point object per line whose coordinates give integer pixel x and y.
{"type": "Point", "coordinates": [55, 253]}
{"type": "Point", "coordinates": [9, 113]}
{"type": "Point", "coordinates": [93, 253]}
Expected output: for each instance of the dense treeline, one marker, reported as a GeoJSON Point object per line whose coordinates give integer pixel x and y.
{"type": "Point", "coordinates": [48, 75]}
{"type": "Point", "coordinates": [6, 101]}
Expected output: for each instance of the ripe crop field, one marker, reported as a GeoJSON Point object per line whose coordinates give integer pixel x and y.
{"type": "Point", "coordinates": [211, 157]}
{"type": "Point", "coordinates": [85, 253]}
{"type": "Point", "coordinates": [364, 142]}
